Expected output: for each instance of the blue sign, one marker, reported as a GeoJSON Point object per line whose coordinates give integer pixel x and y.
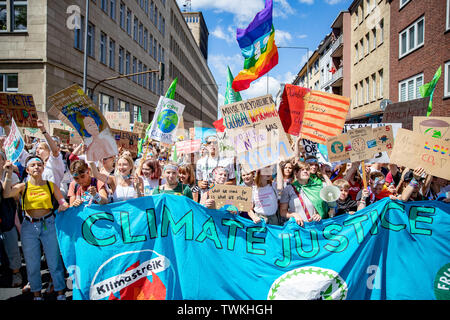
{"type": "Point", "coordinates": [170, 247]}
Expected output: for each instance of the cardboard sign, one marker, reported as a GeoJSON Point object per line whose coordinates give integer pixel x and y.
{"type": "Point", "coordinates": [140, 128]}
{"type": "Point", "coordinates": [324, 116]}
{"type": "Point", "coordinates": [435, 127]}
{"type": "Point", "coordinates": [384, 137]}
{"type": "Point", "coordinates": [73, 107]}
{"type": "Point", "coordinates": [19, 106]}
{"type": "Point", "coordinates": [126, 140]}
{"type": "Point", "coordinates": [188, 146]}
{"type": "Point", "coordinates": [338, 148]}
{"type": "Point", "coordinates": [403, 112]}
{"type": "Point", "coordinates": [413, 149]}
{"type": "Point", "coordinates": [118, 120]}
{"type": "Point", "coordinates": [292, 108]}
{"type": "Point", "coordinates": [363, 144]}
{"type": "Point", "coordinates": [63, 135]}
{"type": "Point", "coordinates": [14, 144]}
{"type": "Point", "coordinates": [229, 195]}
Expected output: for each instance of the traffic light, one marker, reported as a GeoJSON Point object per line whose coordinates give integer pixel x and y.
{"type": "Point", "coordinates": [161, 72]}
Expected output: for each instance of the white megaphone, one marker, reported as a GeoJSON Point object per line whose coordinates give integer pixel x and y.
{"type": "Point", "coordinates": [330, 194]}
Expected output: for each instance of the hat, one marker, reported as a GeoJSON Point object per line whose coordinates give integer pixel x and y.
{"type": "Point", "coordinates": [408, 176]}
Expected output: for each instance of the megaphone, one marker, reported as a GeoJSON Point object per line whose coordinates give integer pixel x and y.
{"type": "Point", "coordinates": [330, 194]}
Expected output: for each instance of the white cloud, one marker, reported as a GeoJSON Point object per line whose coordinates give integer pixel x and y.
{"type": "Point", "coordinates": [282, 8]}
{"type": "Point", "coordinates": [332, 2]}
{"type": "Point", "coordinates": [282, 38]}
{"type": "Point", "coordinates": [302, 36]}
{"type": "Point", "coordinates": [259, 88]}
{"type": "Point", "coordinates": [228, 35]}
{"type": "Point", "coordinates": [306, 1]}
{"type": "Point", "coordinates": [218, 64]}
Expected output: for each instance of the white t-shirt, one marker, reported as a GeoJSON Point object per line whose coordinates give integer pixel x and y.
{"type": "Point", "coordinates": [54, 169]}
{"type": "Point", "coordinates": [149, 185]}
{"type": "Point", "coordinates": [206, 165]}
{"type": "Point", "coordinates": [265, 200]}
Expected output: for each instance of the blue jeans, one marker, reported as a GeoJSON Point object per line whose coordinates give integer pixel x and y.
{"type": "Point", "coordinates": [32, 235]}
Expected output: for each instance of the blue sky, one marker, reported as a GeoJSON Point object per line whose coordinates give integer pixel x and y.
{"type": "Point", "coordinates": [301, 23]}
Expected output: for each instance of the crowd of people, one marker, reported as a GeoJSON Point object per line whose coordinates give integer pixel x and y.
{"type": "Point", "coordinates": [55, 176]}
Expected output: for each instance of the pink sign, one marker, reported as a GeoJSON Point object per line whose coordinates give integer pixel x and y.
{"type": "Point", "coordinates": [188, 146]}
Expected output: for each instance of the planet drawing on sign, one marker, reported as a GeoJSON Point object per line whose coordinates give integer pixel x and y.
{"type": "Point", "coordinates": [434, 127]}
{"type": "Point", "coordinates": [337, 147]}
{"type": "Point", "coordinates": [167, 120]}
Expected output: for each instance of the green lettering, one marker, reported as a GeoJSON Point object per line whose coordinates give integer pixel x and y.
{"type": "Point", "coordinates": [252, 239]}
{"type": "Point", "coordinates": [374, 218]}
{"type": "Point", "coordinates": [185, 221]}
{"type": "Point", "coordinates": [126, 230]}
{"type": "Point", "coordinates": [87, 230]}
{"type": "Point", "coordinates": [233, 226]}
{"type": "Point", "coordinates": [342, 240]}
{"type": "Point", "coordinates": [414, 217]}
{"type": "Point", "coordinates": [287, 257]}
{"type": "Point", "coordinates": [315, 248]}
{"type": "Point", "coordinates": [209, 231]}
{"type": "Point", "coordinates": [151, 223]}
{"type": "Point", "coordinates": [356, 222]}
{"type": "Point", "coordinates": [391, 206]}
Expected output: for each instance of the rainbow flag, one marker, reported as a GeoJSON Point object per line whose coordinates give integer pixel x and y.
{"type": "Point", "coordinates": [257, 43]}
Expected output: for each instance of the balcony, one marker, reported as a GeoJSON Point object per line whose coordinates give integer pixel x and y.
{"type": "Point", "coordinates": [337, 47]}
{"type": "Point", "coordinates": [336, 78]}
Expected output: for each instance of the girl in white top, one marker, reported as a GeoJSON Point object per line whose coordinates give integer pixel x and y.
{"type": "Point", "coordinates": [150, 174]}
{"type": "Point", "coordinates": [265, 199]}
{"type": "Point", "coordinates": [124, 184]}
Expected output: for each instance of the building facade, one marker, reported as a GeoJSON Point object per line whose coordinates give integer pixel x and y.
{"type": "Point", "coordinates": [420, 43]}
{"type": "Point", "coordinates": [43, 48]}
{"type": "Point", "coordinates": [197, 25]}
{"type": "Point", "coordinates": [370, 22]}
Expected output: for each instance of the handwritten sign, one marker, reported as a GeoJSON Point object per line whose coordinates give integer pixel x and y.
{"type": "Point", "coordinates": [21, 107]}
{"type": "Point", "coordinates": [324, 115]}
{"type": "Point", "coordinates": [188, 146]}
{"type": "Point", "coordinates": [384, 137]}
{"type": "Point", "coordinates": [338, 148]}
{"type": "Point", "coordinates": [363, 144]}
{"type": "Point", "coordinates": [435, 127]}
{"type": "Point", "coordinates": [140, 128]}
{"type": "Point", "coordinates": [229, 195]}
{"type": "Point", "coordinates": [63, 135]}
{"type": "Point", "coordinates": [118, 120]}
{"type": "Point", "coordinates": [256, 132]}
{"type": "Point", "coordinates": [404, 112]}
{"type": "Point", "coordinates": [292, 108]}
{"type": "Point", "coordinates": [413, 149]}
{"type": "Point", "coordinates": [126, 140]}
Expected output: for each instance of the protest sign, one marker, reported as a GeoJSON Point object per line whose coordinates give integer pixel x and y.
{"type": "Point", "coordinates": [413, 149]}
{"type": "Point", "coordinates": [310, 147]}
{"type": "Point", "coordinates": [14, 144]}
{"type": "Point", "coordinates": [384, 137]}
{"type": "Point", "coordinates": [165, 122]}
{"type": "Point", "coordinates": [203, 133]}
{"type": "Point", "coordinates": [256, 132]}
{"type": "Point", "coordinates": [404, 112]}
{"type": "Point", "coordinates": [19, 106]}
{"type": "Point", "coordinates": [235, 198]}
{"type": "Point", "coordinates": [292, 108]}
{"type": "Point", "coordinates": [225, 145]}
{"type": "Point", "coordinates": [126, 140]}
{"type": "Point", "coordinates": [324, 115]}
{"type": "Point", "coordinates": [435, 127]}
{"type": "Point", "coordinates": [63, 135]}
{"type": "Point", "coordinates": [363, 144]}
{"type": "Point", "coordinates": [168, 247]}
{"type": "Point", "coordinates": [188, 146]}
{"type": "Point", "coordinates": [140, 128]}
{"type": "Point", "coordinates": [338, 148]}
{"type": "Point", "coordinates": [73, 107]}
{"type": "Point", "coordinates": [119, 120]}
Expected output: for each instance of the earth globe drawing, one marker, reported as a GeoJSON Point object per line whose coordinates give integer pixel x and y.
{"type": "Point", "coordinates": [167, 120]}
{"type": "Point", "coordinates": [337, 147]}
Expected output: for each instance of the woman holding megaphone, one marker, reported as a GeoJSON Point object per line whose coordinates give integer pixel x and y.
{"type": "Point", "coordinates": [301, 199]}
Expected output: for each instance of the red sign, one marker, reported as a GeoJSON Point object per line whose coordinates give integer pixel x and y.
{"type": "Point", "coordinates": [188, 146]}
{"type": "Point", "coordinates": [292, 108]}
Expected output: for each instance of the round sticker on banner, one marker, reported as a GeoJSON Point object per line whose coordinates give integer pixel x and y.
{"type": "Point", "coordinates": [442, 283]}
{"type": "Point", "coordinates": [308, 283]}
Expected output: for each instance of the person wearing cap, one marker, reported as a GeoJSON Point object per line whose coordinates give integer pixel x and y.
{"type": "Point", "coordinates": [172, 185]}
{"type": "Point", "coordinates": [39, 199]}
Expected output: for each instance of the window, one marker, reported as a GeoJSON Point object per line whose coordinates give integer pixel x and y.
{"type": "Point", "coordinates": [136, 112]}
{"type": "Point", "coordinates": [121, 51]}
{"type": "Point", "coordinates": [356, 96]}
{"type": "Point", "coordinates": [127, 63]}
{"type": "Point", "coordinates": [122, 15]}
{"type": "Point", "coordinates": [150, 81]}
{"type": "Point", "coordinates": [103, 47]}
{"type": "Point", "coordinates": [356, 53]}
{"type": "Point", "coordinates": [447, 24]}
{"type": "Point", "coordinates": [78, 36]}
{"type": "Point", "coordinates": [91, 40]}
{"type": "Point", "coordinates": [141, 34]}
{"type": "Point", "coordinates": [140, 75]}
{"type": "Point", "coordinates": [145, 39]}
{"type": "Point", "coordinates": [409, 88]}
{"type": "Point", "coordinates": [411, 38]}
{"type": "Point", "coordinates": [403, 3]}
{"type": "Point", "coordinates": [163, 26]}
{"type": "Point", "coordinates": [9, 82]}
{"type": "Point", "coordinates": [129, 22]}
{"type": "Point", "coordinates": [380, 83]}
{"type": "Point", "coordinates": [381, 31]}
{"type": "Point", "coordinates": [150, 48]}
{"type": "Point", "coordinates": [155, 16]}
{"type": "Point", "coordinates": [135, 29]}
{"type": "Point", "coordinates": [16, 18]}
{"type": "Point", "coordinates": [367, 91]}
{"type": "Point", "coordinates": [124, 106]}
{"type": "Point", "coordinates": [374, 39]}
{"type": "Point", "coordinates": [361, 89]}
{"type": "Point", "coordinates": [134, 69]}
{"type": "Point", "coordinates": [361, 46]}
{"type": "Point", "coordinates": [104, 5]}
{"type": "Point", "coordinates": [106, 103]}
{"type": "Point", "coordinates": [112, 9]}
{"type": "Point", "coordinates": [112, 53]}
{"type": "Point", "coordinates": [367, 43]}
{"type": "Point", "coordinates": [447, 79]}
{"type": "Point", "coordinates": [152, 9]}
{"type": "Point", "coordinates": [155, 47]}
{"type": "Point", "coordinates": [144, 78]}
{"type": "Point", "coordinates": [374, 87]}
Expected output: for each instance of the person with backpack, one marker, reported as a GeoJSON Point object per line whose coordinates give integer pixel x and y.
{"type": "Point", "coordinates": [84, 187]}
{"type": "Point", "coordinates": [40, 199]}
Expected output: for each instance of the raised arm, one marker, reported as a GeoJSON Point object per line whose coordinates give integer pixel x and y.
{"type": "Point", "coordinates": [51, 143]}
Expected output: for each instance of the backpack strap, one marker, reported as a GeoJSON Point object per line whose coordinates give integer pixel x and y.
{"type": "Point", "coordinates": [23, 197]}
{"type": "Point", "coordinates": [52, 195]}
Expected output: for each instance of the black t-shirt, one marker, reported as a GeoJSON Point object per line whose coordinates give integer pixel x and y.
{"type": "Point", "coordinates": [346, 206]}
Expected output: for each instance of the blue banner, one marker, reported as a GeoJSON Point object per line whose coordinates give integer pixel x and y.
{"type": "Point", "coordinates": [169, 247]}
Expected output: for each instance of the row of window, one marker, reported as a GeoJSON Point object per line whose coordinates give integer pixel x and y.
{"type": "Point", "coordinates": [370, 42]}
{"type": "Point", "coordinates": [363, 10]}
{"type": "Point", "coordinates": [369, 89]}
{"type": "Point", "coordinates": [9, 82]}
{"type": "Point", "coordinates": [106, 103]}
{"type": "Point", "coordinates": [13, 16]}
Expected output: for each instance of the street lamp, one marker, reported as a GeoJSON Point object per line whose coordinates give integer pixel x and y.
{"type": "Point", "coordinates": [201, 96]}
{"type": "Point", "coordinates": [307, 60]}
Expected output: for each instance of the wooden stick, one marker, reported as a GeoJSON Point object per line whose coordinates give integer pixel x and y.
{"type": "Point", "coordinates": [363, 167]}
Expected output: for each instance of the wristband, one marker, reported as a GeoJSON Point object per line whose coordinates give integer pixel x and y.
{"type": "Point", "coordinates": [97, 198]}
{"type": "Point", "coordinates": [44, 132]}
{"type": "Point", "coordinates": [414, 183]}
